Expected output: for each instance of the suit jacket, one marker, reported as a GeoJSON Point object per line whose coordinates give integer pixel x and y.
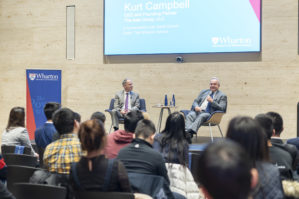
{"type": "Point", "coordinates": [119, 100]}
{"type": "Point", "coordinates": [219, 101]}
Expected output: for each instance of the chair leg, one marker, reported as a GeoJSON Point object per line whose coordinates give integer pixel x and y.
{"type": "Point", "coordinates": [110, 129]}
{"type": "Point", "coordinates": [211, 133]}
{"type": "Point", "coordinates": [220, 130]}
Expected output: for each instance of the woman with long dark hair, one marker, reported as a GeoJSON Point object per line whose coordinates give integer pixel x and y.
{"type": "Point", "coordinates": [173, 145]}
{"type": "Point", "coordinates": [172, 141]}
{"type": "Point", "coordinates": [248, 133]}
{"type": "Point", "coordinates": [15, 132]}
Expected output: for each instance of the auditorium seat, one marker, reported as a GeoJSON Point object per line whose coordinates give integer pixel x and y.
{"type": "Point", "coordinates": [20, 159]}
{"type": "Point", "coordinates": [105, 195]}
{"type": "Point", "coordinates": [17, 174]}
{"type": "Point", "coordinates": [39, 191]}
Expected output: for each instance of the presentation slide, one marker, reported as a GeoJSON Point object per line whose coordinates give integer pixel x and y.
{"type": "Point", "coordinates": [181, 26]}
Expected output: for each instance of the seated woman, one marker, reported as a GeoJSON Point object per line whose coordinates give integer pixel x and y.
{"type": "Point", "coordinates": [172, 141]}
{"type": "Point", "coordinates": [15, 132]}
{"type": "Point", "coordinates": [247, 132]}
{"type": "Point", "coordinates": [173, 145]}
{"type": "Point", "coordinates": [95, 172]}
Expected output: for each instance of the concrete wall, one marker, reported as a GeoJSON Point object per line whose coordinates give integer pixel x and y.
{"type": "Point", "coordinates": [33, 36]}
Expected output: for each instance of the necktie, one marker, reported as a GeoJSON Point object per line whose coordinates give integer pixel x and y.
{"type": "Point", "coordinates": [127, 102]}
{"type": "Point", "coordinates": [208, 109]}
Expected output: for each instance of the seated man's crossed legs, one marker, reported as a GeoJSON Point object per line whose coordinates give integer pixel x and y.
{"type": "Point", "coordinates": [194, 120]}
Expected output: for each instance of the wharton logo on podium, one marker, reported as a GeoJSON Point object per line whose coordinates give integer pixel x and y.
{"type": "Point", "coordinates": [42, 86]}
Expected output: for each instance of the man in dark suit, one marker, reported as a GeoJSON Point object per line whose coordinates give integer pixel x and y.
{"type": "Point", "coordinates": [124, 101]}
{"type": "Point", "coordinates": [207, 102]}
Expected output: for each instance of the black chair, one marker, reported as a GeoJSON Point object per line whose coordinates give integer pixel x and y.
{"type": "Point", "coordinates": [39, 191]}
{"type": "Point", "coordinates": [213, 120]}
{"type": "Point", "coordinates": [121, 120]}
{"type": "Point", "coordinates": [103, 195]}
{"type": "Point", "coordinates": [18, 174]}
{"type": "Point", "coordinates": [20, 159]}
{"type": "Point", "coordinates": [12, 148]}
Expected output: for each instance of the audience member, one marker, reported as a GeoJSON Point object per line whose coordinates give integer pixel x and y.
{"type": "Point", "coordinates": [277, 141]}
{"type": "Point", "coordinates": [173, 145]}
{"type": "Point", "coordinates": [143, 162]}
{"type": "Point", "coordinates": [124, 102]}
{"type": "Point", "coordinates": [249, 134]}
{"type": "Point", "coordinates": [98, 115]}
{"type": "Point", "coordinates": [91, 172]}
{"type": "Point", "coordinates": [15, 132]}
{"type": "Point", "coordinates": [172, 141]}
{"type": "Point", "coordinates": [77, 118]}
{"type": "Point", "coordinates": [139, 156]}
{"type": "Point", "coordinates": [44, 134]}
{"type": "Point", "coordinates": [121, 138]}
{"type": "Point", "coordinates": [225, 171]}
{"type": "Point", "coordinates": [59, 155]}
{"type": "Point", "coordinates": [279, 157]}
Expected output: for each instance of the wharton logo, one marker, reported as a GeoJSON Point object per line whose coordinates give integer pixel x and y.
{"type": "Point", "coordinates": [32, 76]}
{"type": "Point", "coordinates": [42, 77]}
{"type": "Point", "coordinates": [230, 42]}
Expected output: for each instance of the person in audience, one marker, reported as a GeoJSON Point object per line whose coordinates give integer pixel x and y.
{"type": "Point", "coordinates": [98, 115]}
{"type": "Point", "coordinates": [91, 171]}
{"type": "Point", "coordinates": [44, 134]}
{"type": "Point", "coordinates": [208, 101]}
{"type": "Point", "coordinates": [172, 141]}
{"type": "Point", "coordinates": [121, 138]}
{"type": "Point", "coordinates": [144, 163]}
{"type": "Point", "coordinates": [277, 141]}
{"type": "Point", "coordinates": [139, 156]}
{"type": "Point", "coordinates": [225, 171]}
{"type": "Point", "coordinates": [173, 145]}
{"type": "Point", "coordinates": [279, 157]}
{"type": "Point", "coordinates": [59, 155]}
{"type": "Point", "coordinates": [77, 118]}
{"type": "Point", "coordinates": [15, 132]}
{"type": "Point", "coordinates": [124, 102]}
{"type": "Point", "coordinates": [250, 135]}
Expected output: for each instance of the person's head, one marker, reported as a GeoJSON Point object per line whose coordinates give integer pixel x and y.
{"type": "Point", "coordinates": [214, 84]}
{"type": "Point", "coordinates": [174, 137]}
{"type": "Point", "coordinates": [128, 85]}
{"type": "Point", "coordinates": [248, 133]}
{"type": "Point", "coordinates": [145, 130]}
{"type": "Point", "coordinates": [98, 115]}
{"type": "Point", "coordinates": [50, 108]}
{"type": "Point", "coordinates": [225, 171]}
{"type": "Point", "coordinates": [64, 121]}
{"type": "Point", "coordinates": [92, 135]}
{"type": "Point", "coordinates": [266, 123]}
{"type": "Point", "coordinates": [16, 117]}
{"type": "Point", "coordinates": [277, 122]}
{"type": "Point", "coordinates": [131, 120]}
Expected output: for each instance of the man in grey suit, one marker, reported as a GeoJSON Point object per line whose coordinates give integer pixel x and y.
{"type": "Point", "coordinates": [124, 102]}
{"type": "Point", "coordinates": [207, 102]}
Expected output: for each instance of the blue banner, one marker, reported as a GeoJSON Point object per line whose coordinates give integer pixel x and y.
{"type": "Point", "coordinates": [42, 86]}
